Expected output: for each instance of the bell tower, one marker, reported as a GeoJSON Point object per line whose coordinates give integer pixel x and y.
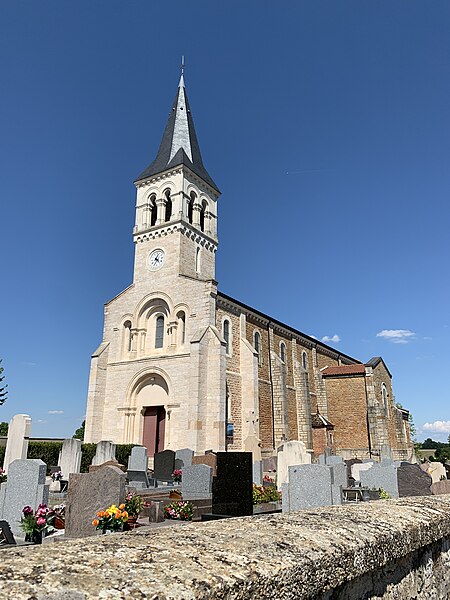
{"type": "Point", "coordinates": [176, 198]}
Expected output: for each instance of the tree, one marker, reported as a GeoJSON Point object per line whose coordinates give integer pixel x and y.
{"type": "Point", "coordinates": [79, 433]}
{"type": "Point", "coordinates": [3, 390]}
{"type": "Point", "coordinates": [4, 428]}
{"type": "Point", "coordinates": [412, 427]}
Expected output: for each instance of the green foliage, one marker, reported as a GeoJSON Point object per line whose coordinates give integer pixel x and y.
{"type": "Point", "coordinates": [4, 428]}
{"type": "Point", "coordinates": [2, 455]}
{"type": "Point", "coordinates": [383, 494]}
{"type": "Point", "coordinates": [3, 390]}
{"type": "Point", "coordinates": [123, 452]}
{"type": "Point", "coordinates": [430, 444]}
{"type": "Point", "coordinates": [266, 493]}
{"type": "Point", "coordinates": [88, 452]}
{"type": "Point", "coordinates": [46, 451]}
{"type": "Point", "coordinates": [79, 433]}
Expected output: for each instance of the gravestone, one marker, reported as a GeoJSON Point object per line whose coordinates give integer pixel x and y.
{"type": "Point", "coordinates": [339, 480]}
{"type": "Point", "coordinates": [109, 463]}
{"type": "Point", "coordinates": [19, 431]}
{"type": "Point", "coordinates": [196, 482]}
{"type": "Point", "coordinates": [183, 458]}
{"type": "Point", "coordinates": [164, 465]}
{"type": "Point", "coordinates": [252, 444]}
{"type": "Point", "coordinates": [270, 464]}
{"type": "Point", "coordinates": [206, 459]}
{"type": "Point", "coordinates": [6, 535]}
{"type": "Point", "coordinates": [290, 454]}
{"type": "Point", "coordinates": [381, 475]}
{"type": "Point", "coordinates": [25, 487]}
{"type": "Point", "coordinates": [358, 467]}
{"type": "Point", "coordinates": [441, 487]}
{"type": "Point", "coordinates": [138, 459]}
{"type": "Point", "coordinates": [104, 452]}
{"type": "Point", "coordinates": [412, 481]}
{"type": "Point", "coordinates": [436, 470]}
{"type": "Point", "coordinates": [89, 493]}
{"type": "Point", "coordinates": [70, 457]}
{"type": "Point", "coordinates": [138, 479]}
{"type": "Point", "coordinates": [232, 489]}
{"type": "Point", "coordinates": [309, 487]}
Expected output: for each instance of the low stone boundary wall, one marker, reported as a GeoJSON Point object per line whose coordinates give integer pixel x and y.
{"type": "Point", "coordinates": [384, 549]}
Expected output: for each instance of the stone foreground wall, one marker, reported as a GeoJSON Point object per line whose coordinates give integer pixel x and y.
{"type": "Point", "coordinates": [385, 549]}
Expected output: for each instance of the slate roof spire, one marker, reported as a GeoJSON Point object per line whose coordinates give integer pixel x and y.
{"type": "Point", "coordinates": [179, 144]}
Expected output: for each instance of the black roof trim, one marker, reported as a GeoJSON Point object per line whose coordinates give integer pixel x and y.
{"type": "Point", "coordinates": [374, 361]}
{"type": "Point", "coordinates": [289, 328]}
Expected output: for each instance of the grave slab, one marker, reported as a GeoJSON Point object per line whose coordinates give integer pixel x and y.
{"type": "Point", "coordinates": [196, 482]}
{"type": "Point", "coordinates": [290, 454]}
{"type": "Point", "coordinates": [19, 431]}
{"type": "Point", "coordinates": [164, 465]}
{"type": "Point", "coordinates": [309, 487]}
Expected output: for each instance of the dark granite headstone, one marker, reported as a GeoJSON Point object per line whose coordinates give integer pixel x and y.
{"type": "Point", "coordinates": [232, 490]}
{"type": "Point", "coordinates": [164, 465]}
{"type": "Point", "coordinates": [6, 536]}
{"type": "Point", "coordinates": [412, 481]}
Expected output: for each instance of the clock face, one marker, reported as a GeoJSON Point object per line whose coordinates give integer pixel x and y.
{"type": "Point", "coordinates": [156, 259]}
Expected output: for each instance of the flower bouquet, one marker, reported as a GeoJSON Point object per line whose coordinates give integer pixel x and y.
{"type": "Point", "coordinates": [176, 476]}
{"type": "Point", "coordinates": [57, 476]}
{"type": "Point", "coordinates": [111, 519]}
{"type": "Point", "coordinates": [3, 476]}
{"type": "Point", "coordinates": [34, 524]}
{"type": "Point", "coordinates": [179, 510]}
{"type": "Point", "coordinates": [134, 504]}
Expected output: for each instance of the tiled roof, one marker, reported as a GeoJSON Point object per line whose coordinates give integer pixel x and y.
{"type": "Point", "coordinates": [179, 144]}
{"type": "Point", "coordinates": [343, 370]}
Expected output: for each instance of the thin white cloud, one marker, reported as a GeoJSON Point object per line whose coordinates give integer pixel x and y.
{"type": "Point", "coordinates": [334, 338]}
{"type": "Point", "coordinates": [55, 412]}
{"type": "Point", "coordinates": [41, 421]}
{"type": "Point", "coordinates": [397, 336]}
{"type": "Point", "coordinates": [437, 427]}
{"type": "Point", "coordinates": [30, 364]}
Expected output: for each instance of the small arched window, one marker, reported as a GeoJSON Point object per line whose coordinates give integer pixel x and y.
{"type": "Point", "coordinates": [197, 260]}
{"type": "Point", "coordinates": [168, 213]}
{"type": "Point", "coordinates": [202, 215]}
{"type": "Point", "coordinates": [153, 210]}
{"type": "Point", "coordinates": [384, 397]}
{"type": "Point", "coordinates": [257, 345]}
{"type": "Point", "coordinates": [127, 336]}
{"type": "Point", "coordinates": [283, 351]}
{"type": "Point", "coordinates": [159, 332]}
{"type": "Point", "coordinates": [182, 327]}
{"type": "Point", "coordinates": [304, 360]}
{"type": "Point", "coordinates": [226, 335]}
{"type": "Point", "coordinates": [191, 207]}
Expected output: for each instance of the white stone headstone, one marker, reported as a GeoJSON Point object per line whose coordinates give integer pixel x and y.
{"type": "Point", "coordinates": [19, 431]}
{"type": "Point", "coordinates": [358, 467]}
{"type": "Point", "coordinates": [437, 471]}
{"type": "Point", "coordinates": [104, 452]}
{"type": "Point", "coordinates": [70, 457]}
{"type": "Point", "coordinates": [253, 445]}
{"type": "Point", "coordinates": [290, 454]}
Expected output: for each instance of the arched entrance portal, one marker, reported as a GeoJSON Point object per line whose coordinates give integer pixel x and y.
{"type": "Point", "coordinates": [153, 396]}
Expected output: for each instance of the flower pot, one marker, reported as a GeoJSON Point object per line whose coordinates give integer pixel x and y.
{"type": "Point", "coordinates": [59, 523]}
{"type": "Point", "coordinates": [35, 537]}
{"type": "Point", "coordinates": [131, 523]}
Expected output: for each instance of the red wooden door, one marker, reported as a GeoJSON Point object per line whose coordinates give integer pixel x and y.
{"type": "Point", "coordinates": [154, 427]}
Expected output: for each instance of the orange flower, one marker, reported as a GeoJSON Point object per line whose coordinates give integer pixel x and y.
{"type": "Point", "coordinates": [117, 515]}
{"type": "Point", "coordinates": [124, 515]}
{"type": "Point", "coordinates": [121, 506]}
{"type": "Point", "coordinates": [95, 522]}
{"type": "Point", "coordinates": [100, 513]}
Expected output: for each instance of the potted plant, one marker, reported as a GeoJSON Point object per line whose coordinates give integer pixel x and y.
{"type": "Point", "coordinates": [179, 510]}
{"type": "Point", "coordinates": [133, 506]}
{"type": "Point", "coordinates": [34, 524]}
{"type": "Point", "coordinates": [58, 516]}
{"type": "Point", "coordinates": [112, 519]}
{"type": "Point", "coordinates": [176, 476]}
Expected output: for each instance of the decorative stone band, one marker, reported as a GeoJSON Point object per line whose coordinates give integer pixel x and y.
{"type": "Point", "coordinates": [166, 229]}
{"type": "Point", "coordinates": [392, 548]}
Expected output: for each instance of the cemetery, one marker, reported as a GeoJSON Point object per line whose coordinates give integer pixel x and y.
{"type": "Point", "coordinates": [41, 504]}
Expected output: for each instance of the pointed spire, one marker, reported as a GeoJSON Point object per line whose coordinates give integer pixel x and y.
{"type": "Point", "coordinates": [179, 143]}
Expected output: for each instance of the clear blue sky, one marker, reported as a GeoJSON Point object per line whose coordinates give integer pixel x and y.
{"type": "Point", "coordinates": [325, 124]}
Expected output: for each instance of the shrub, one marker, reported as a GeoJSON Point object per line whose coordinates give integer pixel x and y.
{"type": "Point", "coordinates": [2, 455]}
{"type": "Point", "coordinates": [88, 452]}
{"type": "Point", "coordinates": [123, 452]}
{"type": "Point", "coordinates": [48, 452]}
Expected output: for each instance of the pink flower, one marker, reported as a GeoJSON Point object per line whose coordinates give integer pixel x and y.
{"type": "Point", "coordinates": [40, 521]}
{"type": "Point", "coordinates": [27, 510]}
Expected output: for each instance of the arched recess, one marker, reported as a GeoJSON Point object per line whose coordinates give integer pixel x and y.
{"type": "Point", "coordinates": [147, 416]}
{"type": "Point", "coordinates": [202, 215]}
{"type": "Point", "coordinates": [154, 321]}
{"type": "Point", "coordinates": [190, 207]}
{"type": "Point", "coordinates": [152, 208]}
{"type": "Point", "coordinates": [126, 338]}
{"type": "Point", "coordinates": [168, 206]}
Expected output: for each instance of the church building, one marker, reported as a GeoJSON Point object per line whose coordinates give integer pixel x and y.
{"type": "Point", "coordinates": [183, 365]}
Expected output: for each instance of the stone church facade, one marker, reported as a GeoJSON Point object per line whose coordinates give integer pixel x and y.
{"type": "Point", "coordinates": [184, 365]}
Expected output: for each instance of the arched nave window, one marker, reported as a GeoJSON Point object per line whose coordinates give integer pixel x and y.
{"type": "Point", "coordinates": [304, 360]}
{"type": "Point", "coordinates": [257, 346]}
{"type": "Point", "coordinates": [384, 397]}
{"type": "Point", "coordinates": [182, 327]}
{"type": "Point", "coordinates": [197, 260]}
{"type": "Point", "coordinates": [226, 336]}
{"type": "Point", "coordinates": [168, 214]}
{"type": "Point", "coordinates": [127, 336]}
{"type": "Point", "coordinates": [283, 351]}
{"type": "Point", "coordinates": [159, 332]}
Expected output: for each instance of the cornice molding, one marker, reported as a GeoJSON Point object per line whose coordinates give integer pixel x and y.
{"type": "Point", "coordinates": [161, 231]}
